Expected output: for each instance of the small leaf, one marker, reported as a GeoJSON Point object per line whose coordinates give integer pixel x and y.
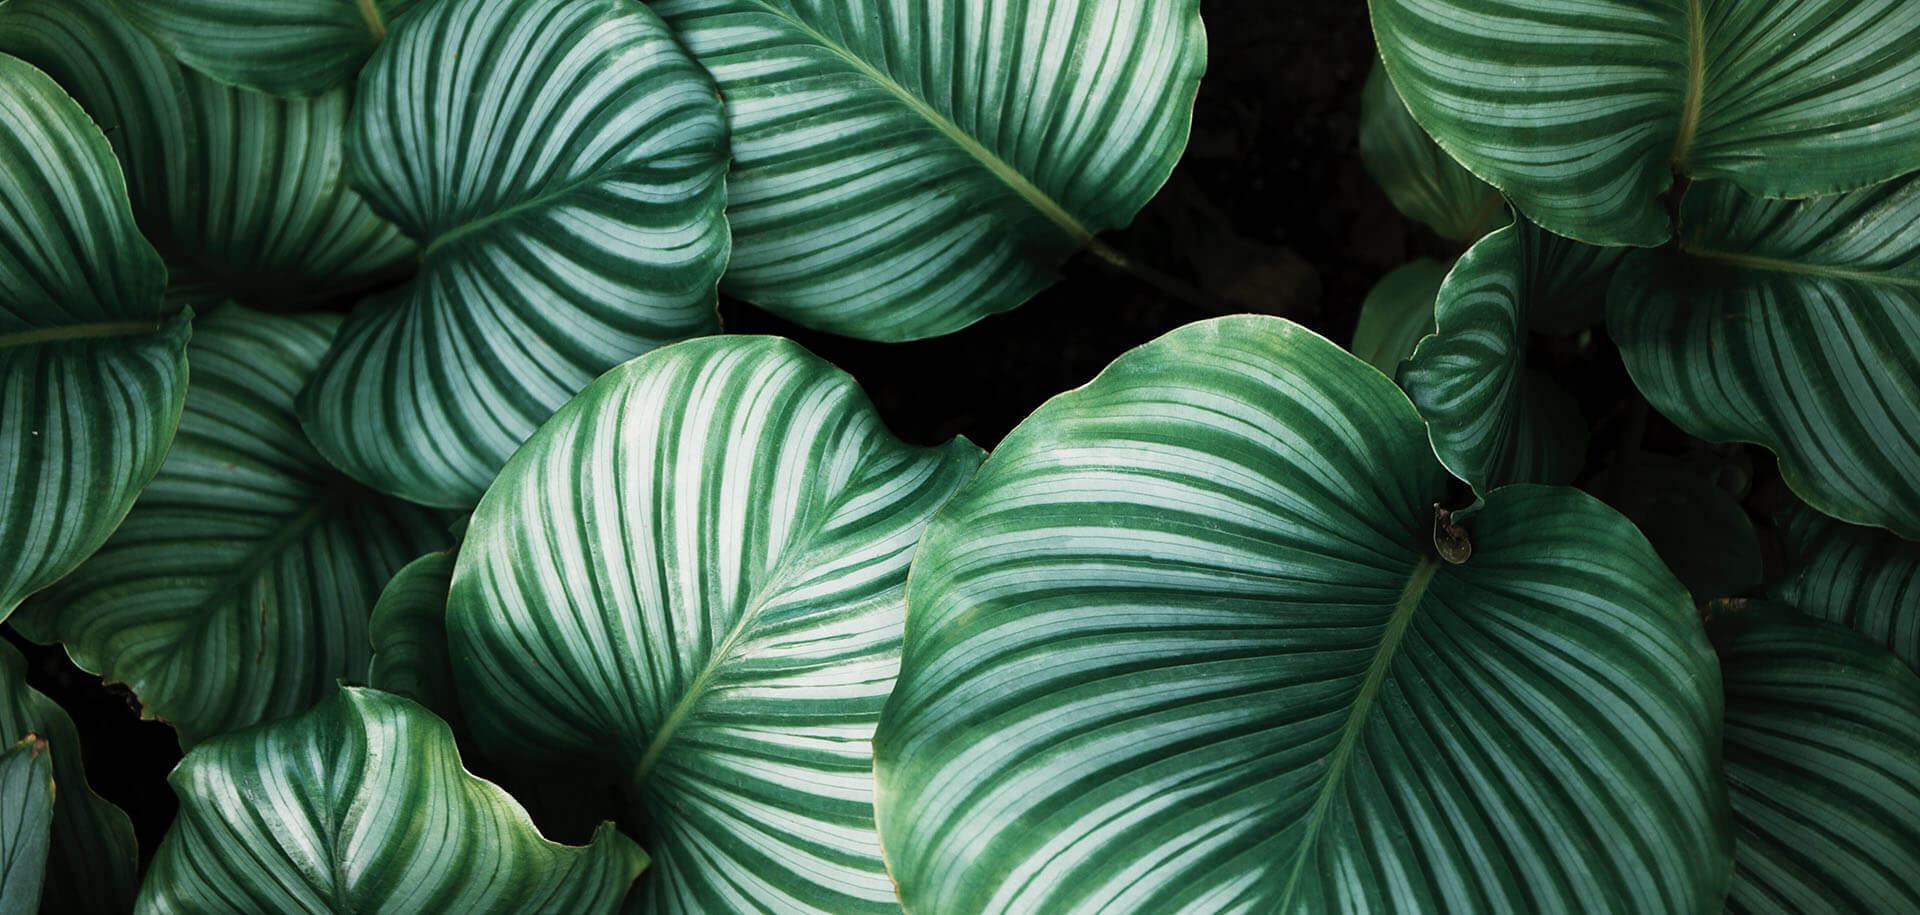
{"type": "Point", "coordinates": [1865, 579]}
{"type": "Point", "coordinates": [26, 814]}
{"type": "Point", "coordinates": [1397, 313]}
{"type": "Point", "coordinates": [283, 47]}
{"type": "Point", "coordinates": [1424, 183]}
{"type": "Point", "coordinates": [409, 631]}
{"type": "Point", "coordinates": [1699, 529]}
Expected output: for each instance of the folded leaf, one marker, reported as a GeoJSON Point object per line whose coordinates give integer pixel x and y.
{"type": "Point", "coordinates": [1424, 183]}
{"type": "Point", "coordinates": [1397, 314]}
{"type": "Point", "coordinates": [409, 632]}
{"type": "Point", "coordinates": [285, 47]}
{"type": "Point", "coordinates": [26, 813]}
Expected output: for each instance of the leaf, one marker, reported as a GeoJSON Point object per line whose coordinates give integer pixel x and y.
{"type": "Point", "coordinates": [1864, 579]}
{"type": "Point", "coordinates": [1424, 183]}
{"type": "Point", "coordinates": [1823, 768]}
{"type": "Point", "coordinates": [238, 589]}
{"type": "Point", "coordinates": [283, 47]}
{"type": "Point", "coordinates": [361, 805]}
{"type": "Point", "coordinates": [26, 814]}
{"type": "Point", "coordinates": [570, 215]}
{"type": "Point", "coordinates": [1494, 421]}
{"type": "Point", "coordinates": [244, 194]}
{"type": "Point", "coordinates": [1794, 325]}
{"type": "Point", "coordinates": [91, 372]}
{"type": "Point", "coordinates": [692, 576]}
{"type": "Point", "coordinates": [90, 867]}
{"type": "Point", "coordinates": [409, 631]}
{"type": "Point", "coordinates": [1699, 529]}
{"type": "Point", "coordinates": [1397, 313]}
{"type": "Point", "coordinates": [1184, 644]}
{"type": "Point", "coordinates": [1583, 114]}
{"type": "Point", "coordinates": [904, 169]}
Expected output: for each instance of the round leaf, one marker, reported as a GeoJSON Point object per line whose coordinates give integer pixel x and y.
{"type": "Point", "coordinates": [361, 805]}
{"type": "Point", "coordinates": [286, 47]}
{"type": "Point", "coordinates": [1184, 644]}
{"type": "Point", "coordinates": [26, 815]}
{"type": "Point", "coordinates": [1864, 579]}
{"type": "Point", "coordinates": [1397, 313]}
{"type": "Point", "coordinates": [562, 163]}
{"type": "Point", "coordinates": [1794, 325]}
{"type": "Point", "coordinates": [693, 576]}
{"type": "Point", "coordinates": [238, 589]}
{"type": "Point", "coordinates": [1583, 113]}
{"type": "Point", "coordinates": [1424, 183]}
{"type": "Point", "coordinates": [902, 170]}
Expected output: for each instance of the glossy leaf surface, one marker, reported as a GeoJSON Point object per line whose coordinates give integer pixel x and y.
{"type": "Point", "coordinates": [285, 47]}
{"type": "Point", "coordinates": [1582, 113]}
{"type": "Point", "coordinates": [239, 588]}
{"type": "Point", "coordinates": [361, 805]}
{"type": "Point", "coordinates": [561, 162]}
{"type": "Point", "coordinates": [1865, 579]}
{"type": "Point", "coordinates": [693, 575]}
{"type": "Point", "coordinates": [1794, 325]}
{"type": "Point", "coordinates": [26, 816]}
{"type": "Point", "coordinates": [1424, 183]}
{"type": "Point", "coordinates": [1184, 643]}
{"type": "Point", "coordinates": [1397, 314]}
{"type": "Point", "coordinates": [904, 169]}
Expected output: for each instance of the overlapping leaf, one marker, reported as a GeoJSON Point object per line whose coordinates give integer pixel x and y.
{"type": "Point", "coordinates": [244, 194]}
{"type": "Point", "coordinates": [1794, 325]}
{"type": "Point", "coordinates": [1864, 579]}
{"type": "Point", "coordinates": [1698, 528]}
{"type": "Point", "coordinates": [361, 805]}
{"type": "Point", "coordinates": [905, 169]}
{"type": "Point", "coordinates": [562, 162]}
{"type": "Point", "coordinates": [1424, 183]}
{"type": "Point", "coordinates": [91, 373]}
{"type": "Point", "coordinates": [409, 631]}
{"type": "Point", "coordinates": [1823, 768]}
{"type": "Point", "coordinates": [1397, 314]}
{"type": "Point", "coordinates": [26, 815]}
{"type": "Point", "coordinates": [1184, 644]}
{"type": "Point", "coordinates": [239, 588]}
{"type": "Point", "coordinates": [1582, 113]}
{"type": "Point", "coordinates": [285, 47]}
{"type": "Point", "coordinates": [693, 575]}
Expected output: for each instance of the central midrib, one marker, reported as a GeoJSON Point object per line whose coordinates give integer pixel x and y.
{"type": "Point", "coordinates": [1356, 722]}
{"type": "Point", "coordinates": [376, 26]}
{"type": "Point", "coordinates": [79, 332]}
{"type": "Point", "coordinates": [1696, 84]}
{"type": "Point", "coordinates": [999, 167]}
{"type": "Point", "coordinates": [1777, 265]}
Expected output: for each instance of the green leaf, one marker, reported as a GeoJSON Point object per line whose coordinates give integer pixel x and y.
{"type": "Point", "coordinates": [1184, 644]}
{"type": "Point", "coordinates": [409, 631]}
{"type": "Point", "coordinates": [1699, 529]}
{"type": "Point", "coordinates": [693, 576]}
{"type": "Point", "coordinates": [902, 170]}
{"type": "Point", "coordinates": [1823, 768]}
{"type": "Point", "coordinates": [1794, 325]}
{"type": "Point", "coordinates": [26, 815]}
{"type": "Point", "coordinates": [562, 164]}
{"type": "Point", "coordinates": [1397, 313]}
{"type": "Point", "coordinates": [1861, 578]}
{"type": "Point", "coordinates": [239, 588]}
{"type": "Point", "coordinates": [1583, 113]}
{"type": "Point", "coordinates": [1424, 183]}
{"type": "Point", "coordinates": [90, 868]}
{"type": "Point", "coordinates": [1494, 421]}
{"type": "Point", "coordinates": [91, 372]}
{"type": "Point", "coordinates": [361, 805]}
{"type": "Point", "coordinates": [244, 194]}
{"type": "Point", "coordinates": [284, 47]}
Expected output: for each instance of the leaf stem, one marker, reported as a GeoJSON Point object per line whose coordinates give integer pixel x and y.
{"type": "Point", "coordinates": [1187, 294]}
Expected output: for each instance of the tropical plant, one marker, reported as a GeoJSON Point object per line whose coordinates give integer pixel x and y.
{"type": "Point", "coordinates": [366, 418]}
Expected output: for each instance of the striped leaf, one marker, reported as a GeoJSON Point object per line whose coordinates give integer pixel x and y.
{"type": "Point", "coordinates": [1494, 421]}
{"type": "Point", "coordinates": [361, 805]}
{"type": "Point", "coordinates": [26, 815]}
{"type": "Point", "coordinates": [285, 47]}
{"type": "Point", "coordinates": [1823, 768]}
{"type": "Point", "coordinates": [239, 588]}
{"type": "Point", "coordinates": [561, 161]}
{"type": "Point", "coordinates": [1424, 183]}
{"type": "Point", "coordinates": [409, 630]}
{"type": "Point", "coordinates": [692, 576]}
{"type": "Point", "coordinates": [1184, 644]}
{"type": "Point", "coordinates": [1794, 325]}
{"type": "Point", "coordinates": [904, 169]}
{"type": "Point", "coordinates": [1583, 113]}
{"type": "Point", "coordinates": [1397, 313]}
{"type": "Point", "coordinates": [244, 194]}
{"type": "Point", "coordinates": [91, 373]}
{"type": "Point", "coordinates": [1861, 578]}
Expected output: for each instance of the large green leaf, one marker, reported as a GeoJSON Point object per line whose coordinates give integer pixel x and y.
{"type": "Point", "coordinates": [26, 815]}
{"type": "Point", "coordinates": [1794, 325]}
{"type": "Point", "coordinates": [91, 374]}
{"type": "Point", "coordinates": [409, 632]}
{"type": "Point", "coordinates": [91, 866]}
{"type": "Point", "coordinates": [904, 169]}
{"type": "Point", "coordinates": [1494, 421]}
{"type": "Point", "coordinates": [286, 47]}
{"type": "Point", "coordinates": [244, 194]}
{"type": "Point", "coordinates": [1184, 644]}
{"type": "Point", "coordinates": [1583, 112]}
{"type": "Point", "coordinates": [1823, 768]}
{"type": "Point", "coordinates": [693, 575]}
{"type": "Point", "coordinates": [1397, 314]}
{"type": "Point", "coordinates": [562, 163]}
{"type": "Point", "coordinates": [361, 805]}
{"type": "Point", "coordinates": [1424, 183]}
{"type": "Point", "coordinates": [1861, 578]}
{"type": "Point", "coordinates": [239, 588]}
